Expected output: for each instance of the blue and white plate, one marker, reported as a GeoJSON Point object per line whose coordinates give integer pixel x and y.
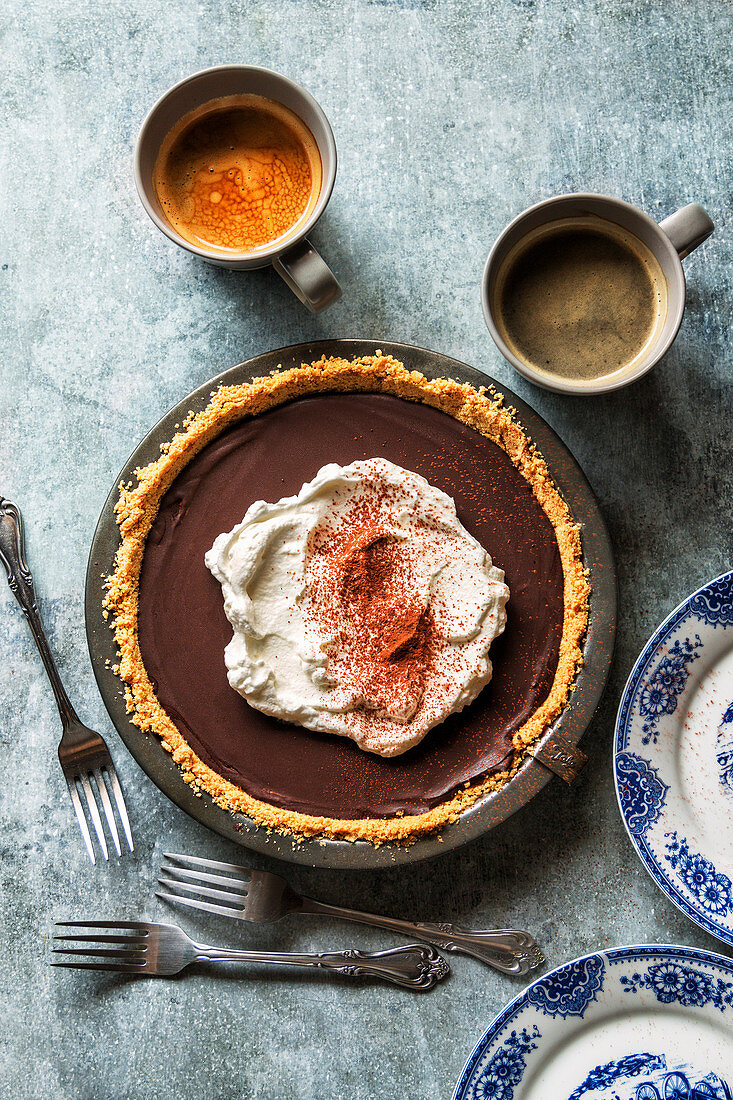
{"type": "Point", "coordinates": [632, 1023]}
{"type": "Point", "coordinates": [673, 757]}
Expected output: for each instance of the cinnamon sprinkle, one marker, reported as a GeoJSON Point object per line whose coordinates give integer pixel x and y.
{"type": "Point", "coordinates": [367, 596]}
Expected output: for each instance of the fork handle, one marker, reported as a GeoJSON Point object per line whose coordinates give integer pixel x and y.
{"type": "Point", "coordinates": [415, 966]}
{"type": "Point", "coordinates": [508, 949]}
{"type": "Point", "coordinates": [20, 579]}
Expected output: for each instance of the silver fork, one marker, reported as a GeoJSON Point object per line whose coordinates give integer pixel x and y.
{"type": "Point", "coordinates": [82, 753]}
{"type": "Point", "coordinates": [160, 950]}
{"type": "Point", "coordinates": [261, 896]}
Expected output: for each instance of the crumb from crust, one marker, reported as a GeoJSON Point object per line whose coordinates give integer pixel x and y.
{"type": "Point", "coordinates": [482, 409]}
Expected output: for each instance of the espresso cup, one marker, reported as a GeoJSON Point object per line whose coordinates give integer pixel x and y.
{"type": "Point", "coordinates": [667, 243]}
{"type": "Point", "coordinates": [293, 257]}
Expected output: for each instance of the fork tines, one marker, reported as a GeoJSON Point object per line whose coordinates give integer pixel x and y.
{"type": "Point", "coordinates": [78, 778]}
{"type": "Point", "coordinates": [128, 956]}
{"type": "Point", "coordinates": [178, 877]}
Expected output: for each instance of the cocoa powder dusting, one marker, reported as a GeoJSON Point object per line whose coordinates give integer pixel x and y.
{"type": "Point", "coordinates": [370, 599]}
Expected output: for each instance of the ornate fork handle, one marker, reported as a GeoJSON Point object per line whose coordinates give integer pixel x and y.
{"type": "Point", "coordinates": [12, 552]}
{"type": "Point", "coordinates": [508, 950]}
{"type": "Point", "coordinates": [20, 579]}
{"type": "Point", "coordinates": [415, 966]}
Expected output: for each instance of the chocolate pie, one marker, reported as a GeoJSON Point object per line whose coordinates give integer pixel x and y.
{"type": "Point", "coordinates": [261, 441]}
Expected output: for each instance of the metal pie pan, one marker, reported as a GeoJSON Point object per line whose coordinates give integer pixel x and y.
{"type": "Point", "coordinates": [488, 811]}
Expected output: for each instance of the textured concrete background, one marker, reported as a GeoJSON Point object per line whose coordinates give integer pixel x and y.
{"type": "Point", "coordinates": [450, 117]}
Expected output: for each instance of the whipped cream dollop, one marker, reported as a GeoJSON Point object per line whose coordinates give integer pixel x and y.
{"type": "Point", "coordinates": [360, 607]}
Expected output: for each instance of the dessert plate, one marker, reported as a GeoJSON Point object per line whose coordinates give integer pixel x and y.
{"type": "Point", "coordinates": [493, 808]}
{"type": "Point", "coordinates": [632, 1023]}
{"type": "Point", "coordinates": [673, 757]}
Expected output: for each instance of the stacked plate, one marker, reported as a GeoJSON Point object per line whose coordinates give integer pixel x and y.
{"type": "Point", "coordinates": [634, 1023]}
{"type": "Point", "coordinates": [647, 1022]}
{"type": "Point", "coordinates": [673, 757]}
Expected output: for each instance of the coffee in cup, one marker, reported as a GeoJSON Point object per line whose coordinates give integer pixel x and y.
{"type": "Point", "coordinates": [585, 293]}
{"type": "Point", "coordinates": [236, 164]}
{"type": "Point", "coordinates": [580, 298]}
{"type": "Point", "coordinates": [238, 174]}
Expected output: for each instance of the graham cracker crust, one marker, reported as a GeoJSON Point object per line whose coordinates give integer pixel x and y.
{"type": "Point", "coordinates": [482, 409]}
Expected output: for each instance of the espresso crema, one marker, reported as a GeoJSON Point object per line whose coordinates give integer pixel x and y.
{"type": "Point", "coordinates": [238, 174]}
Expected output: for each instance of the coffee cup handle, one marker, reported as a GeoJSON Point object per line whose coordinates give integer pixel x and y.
{"type": "Point", "coordinates": [687, 228]}
{"type": "Point", "coordinates": [308, 276]}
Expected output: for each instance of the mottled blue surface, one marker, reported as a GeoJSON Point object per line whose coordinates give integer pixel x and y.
{"type": "Point", "coordinates": [450, 117]}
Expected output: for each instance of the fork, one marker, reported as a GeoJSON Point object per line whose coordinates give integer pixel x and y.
{"type": "Point", "coordinates": [261, 896]}
{"type": "Point", "coordinates": [160, 950]}
{"type": "Point", "coordinates": [82, 752]}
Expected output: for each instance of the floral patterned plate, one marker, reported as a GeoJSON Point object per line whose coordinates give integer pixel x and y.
{"type": "Point", "coordinates": [673, 757]}
{"type": "Point", "coordinates": [632, 1023]}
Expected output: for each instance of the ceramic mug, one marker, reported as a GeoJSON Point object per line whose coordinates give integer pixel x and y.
{"type": "Point", "coordinates": [294, 258]}
{"type": "Point", "coordinates": [669, 242]}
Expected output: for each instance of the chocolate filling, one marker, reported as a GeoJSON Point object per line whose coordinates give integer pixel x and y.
{"type": "Point", "coordinates": [183, 629]}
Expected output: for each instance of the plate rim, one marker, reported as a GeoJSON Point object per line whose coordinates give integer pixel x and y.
{"type": "Point", "coordinates": [643, 850]}
{"type": "Point", "coordinates": [492, 808]}
{"type": "Point", "coordinates": [611, 955]}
